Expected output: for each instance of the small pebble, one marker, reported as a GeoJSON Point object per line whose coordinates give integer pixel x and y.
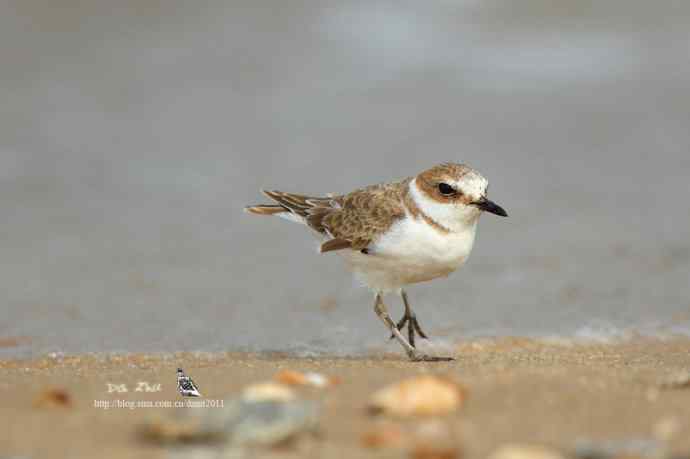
{"type": "Point", "coordinates": [632, 448]}
{"type": "Point", "coordinates": [53, 398]}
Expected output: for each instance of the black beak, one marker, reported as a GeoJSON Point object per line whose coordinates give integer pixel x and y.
{"type": "Point", "coordinates": [490, 206]}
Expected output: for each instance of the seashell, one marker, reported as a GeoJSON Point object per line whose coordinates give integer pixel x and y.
{"type": "Point", "coordinates": [419, 396]}
{"type": "Point", "coordinates": [515, 451]}
{"type": "Point", "coordinates": [296, 378]}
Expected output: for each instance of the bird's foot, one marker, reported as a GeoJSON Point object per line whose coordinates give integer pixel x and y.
{"type": "Point", "coordinates": [412, 327]}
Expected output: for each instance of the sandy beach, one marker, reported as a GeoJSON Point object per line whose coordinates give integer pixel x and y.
{"type": "Point", "coordinates": [518, 391]}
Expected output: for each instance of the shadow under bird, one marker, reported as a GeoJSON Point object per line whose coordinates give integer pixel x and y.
{"type": "Point", "coordinates": [395, 234]}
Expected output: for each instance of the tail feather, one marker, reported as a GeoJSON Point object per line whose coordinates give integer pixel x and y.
{"type": "Point", "coordinates": [298, 208]}
{"type": "Point", "coordinates": [265, 209]}
{"type": "Point", "coordinates": [296, 203]}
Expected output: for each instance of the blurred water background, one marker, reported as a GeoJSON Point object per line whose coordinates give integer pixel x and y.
{"type": "Point", "coordinates": [132, 133]}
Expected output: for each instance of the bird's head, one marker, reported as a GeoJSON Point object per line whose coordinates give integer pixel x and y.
{"type": "Point", "coordinates": [453, 195]}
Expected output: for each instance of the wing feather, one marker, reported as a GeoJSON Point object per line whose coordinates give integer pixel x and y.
{"type": "Point", "coordinates": [353, 221]}
{"type": "Point", "coordinates": [335, 244]}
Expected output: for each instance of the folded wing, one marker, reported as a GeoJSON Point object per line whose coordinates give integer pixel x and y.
{"type": "Point", "coordinates": [352, 221]}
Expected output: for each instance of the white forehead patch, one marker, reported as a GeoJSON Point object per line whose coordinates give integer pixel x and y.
{"type": "Point", "coordinates": [472, 184]}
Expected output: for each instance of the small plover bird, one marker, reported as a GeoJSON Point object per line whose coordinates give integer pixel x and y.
{"type": "Point", "coordinates": [396, 234]}
{"type": "Point", "coordinates": [185, 385]}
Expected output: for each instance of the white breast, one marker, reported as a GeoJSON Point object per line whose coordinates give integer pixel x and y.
{"type": "Point", "coordinates": [411, 251]}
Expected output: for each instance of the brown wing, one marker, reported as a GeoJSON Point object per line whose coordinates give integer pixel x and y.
{"type": "Point", "coordinates": [353, 220]}
{"type": "Point", "coordinates": [366, 214]}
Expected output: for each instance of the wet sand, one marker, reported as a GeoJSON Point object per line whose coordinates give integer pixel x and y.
{"type": "Point", "coordinates": [519, 390]}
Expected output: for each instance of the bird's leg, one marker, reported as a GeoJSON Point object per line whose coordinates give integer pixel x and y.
{"type": "Point", "coordinates": [382, 312]}
{"type": "Point", "coordinates": [412, 353]}
{"type": "Point", "coordinates": [412, 319]}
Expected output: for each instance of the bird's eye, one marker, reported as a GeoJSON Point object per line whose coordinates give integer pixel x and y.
{"type": "Point", "coordinates": [446, 189]}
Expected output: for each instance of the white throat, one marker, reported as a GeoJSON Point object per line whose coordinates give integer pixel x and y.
{"type": "Point", "coordinates": [455, 217]}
